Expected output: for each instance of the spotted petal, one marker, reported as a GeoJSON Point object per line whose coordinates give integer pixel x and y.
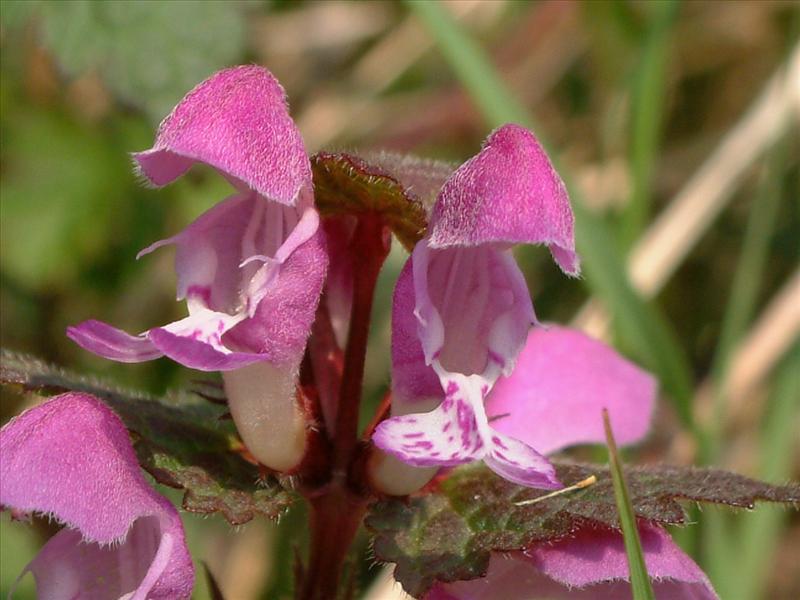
{"type": "Point", "coordinates": [518, 462]}
{"type": "Point", "coordinates": [457, 431]}
{"type": "Point", "coordinates": [447, 436]}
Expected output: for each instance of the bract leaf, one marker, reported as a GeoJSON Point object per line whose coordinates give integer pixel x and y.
{"type": "Point", "coordinates": [347, 184]}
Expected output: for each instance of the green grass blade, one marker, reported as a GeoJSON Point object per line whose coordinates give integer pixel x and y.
{"type": "Point", "coordinates": [639, 324]}
{"type": "Point", "coordinates": [760, 531]}
{"type": "Point", "coordinates": [756, 534]}
{"type": "Point", "coordinates": [473, 68]}
{"type": "Point", "coordinates": [640, 580]}
{"type": "Point", "coordinates": [746, 283]}
{"type": "Point", "coordinates": [647, 107]}
{"type": "Point", "coordinates": [720, 555]}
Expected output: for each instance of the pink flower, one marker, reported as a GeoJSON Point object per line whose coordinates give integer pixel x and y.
{"type": "Point", "coordinates": [251, 269]}
{"type": "Point", "coordinates": [591, 565]}
{"type": "Point", "coordinates": [553, 399]}
{"type": "Point", "coordinates": [71, 459]}
{"type": "Point", "coordinates": [462, 310]}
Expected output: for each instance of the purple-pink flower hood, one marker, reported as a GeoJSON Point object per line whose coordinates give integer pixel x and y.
{"type": "Point", "coordinates": [71, 459]}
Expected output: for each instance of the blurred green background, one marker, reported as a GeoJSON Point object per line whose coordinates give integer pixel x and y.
{"type": "Point", "coordinates": [674, 124]}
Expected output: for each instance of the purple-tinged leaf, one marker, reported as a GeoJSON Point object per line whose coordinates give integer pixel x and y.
{"type": "Point", "coordinates": [347, 184]}
{"type": "Point", "coordinates": [448, 535]}
{"type": "Point", "coordinates": [181, 441]}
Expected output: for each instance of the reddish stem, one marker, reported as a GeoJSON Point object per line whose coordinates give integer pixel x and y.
{"type": "Point", "coordinates": [327, 363]}
{"type": "Point", "coordinates": [338, 506]}
{"type": "Point", "coordinates": [368, 250]}
{"type": "Point", "coordinates": [335, 519]}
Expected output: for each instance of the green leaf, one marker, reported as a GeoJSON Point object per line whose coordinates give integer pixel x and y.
{"type": "Point", "coordinates": [720, 555]}
{"type": "Point", "coordinates": [149, 53]}
{"type": "Point", "coordinates": [182, 442]}
{"type": "Point", "coordinates": [347, 184]}
{"type": "Point", "coordinates": [448, 535]}
{"type": "Point", "coordinates": [640, 580]}
{"type": "Point", "coordinates": [641, 326]}
{"type": "Point", "coordinates": [747, 284]}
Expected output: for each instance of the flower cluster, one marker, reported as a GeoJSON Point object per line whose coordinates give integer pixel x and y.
{"type": "Point", "coordinates": [475, 376]}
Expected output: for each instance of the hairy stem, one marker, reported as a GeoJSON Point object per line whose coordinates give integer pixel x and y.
{"type": "Point", "coordinates": [335, 519]}
{"type": "Point", "coordinates": [338, 506]}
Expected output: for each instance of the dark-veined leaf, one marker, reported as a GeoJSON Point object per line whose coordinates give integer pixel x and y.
{"type": "Point", "coordinates": [181, 441]}
{"type": "Point", "coordinates": [449, 534]}
{"type": "Point", "coordinates": [347, 184]}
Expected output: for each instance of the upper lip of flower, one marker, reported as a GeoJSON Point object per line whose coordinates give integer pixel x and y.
{"type": "Point", "coordinates": [508, 193]}
{"type": "Point", "coordinates": [238, 122]}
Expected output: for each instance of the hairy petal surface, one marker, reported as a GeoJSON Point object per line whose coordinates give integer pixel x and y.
{"type": "Point", "coordinates": [251, 272]}
{"type": "Point", "coordinates": [509, 193]}
{"type": "Point", "coordinates": [473, 309]}
{"type": "Point", "coordinates": [460, 317]}
{"type": "Point", "coordinates": [238, 263]}
{"type": "Point", "coordinates": [462, 311]}
{"type": "Point", "coordinates": [71, 459]}
{"type": "Point", "coordinates": [238, 122]}
{"type": "Point", "coordinates": [562, 381]}
{"type": "Point", "coordinates": [456, 432]}
{"type": "Point", "coordinates": [461, 305]}
{"type": "Point", "coordinates": [414, 382]}
{"type": "Point", "coordinates": [590, 566]}
{"type": "Point", "coordinates": [251, 269]}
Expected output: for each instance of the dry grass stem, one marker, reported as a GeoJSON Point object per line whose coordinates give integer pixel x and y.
{"type": "Point", "coordinates": [769, 339]}
{"type": "Point", "coordinates": [678, 228]}
{"type": "Point", "coordinates": [330, 113]}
